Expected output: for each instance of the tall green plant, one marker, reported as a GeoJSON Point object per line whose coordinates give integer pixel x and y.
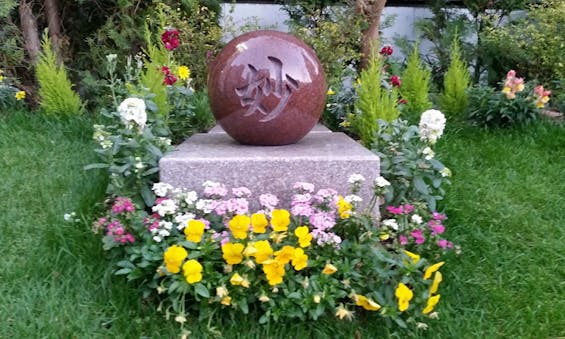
{"type": "Point", "coordinates": [415, 87]}
{"type": "Point", "coordinates": [57, 97]}
{"type": "Point", "coordinates": [374, 102]}
{"type": "Point", "coordinates": [152, 77]}
{"type": "Point", "coordinates": [454, 99]}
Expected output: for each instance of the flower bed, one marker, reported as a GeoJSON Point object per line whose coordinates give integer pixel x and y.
{"type": "Point", "coordinates": [318, 256]}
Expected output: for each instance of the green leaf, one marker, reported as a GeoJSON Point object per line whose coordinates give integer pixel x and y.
{"type": "Point", "coordinates": [96, 165]}
{"type": "Point", "coordinates": [201, 290]}
{"type": "Point", "coordinates": [420, 185]}
{"type": "Point", "coordinates": [123, 271]}
{"type": "Point", "coordinates": [243, 306]}
{"type": "Point", "coordinates": [147, 195]}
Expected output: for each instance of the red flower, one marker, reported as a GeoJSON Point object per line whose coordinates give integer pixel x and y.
{"type": "Point", "coordinates": [165, 70]}
{"type": "Point", "coordinates": [170, 79]}
{"type": "Point", "coordinates": [403, 101]}
{"type": "Point", "coordinates": [386, 50]}
{"type": "Point", "coordinates": [395, 81]}
{"type": "Point", "coordinates": [170, 39]}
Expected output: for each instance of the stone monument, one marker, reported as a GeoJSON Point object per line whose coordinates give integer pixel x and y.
{"type": "Point", "coordinates": [267, 91]}
{"type": "Point", "coordinates": [267, 88]}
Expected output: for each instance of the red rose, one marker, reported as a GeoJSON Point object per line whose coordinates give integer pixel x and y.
{"type": "Point", "coordinates": [395, 81]}
{"type": "Point", "coordinates": [170, 39]}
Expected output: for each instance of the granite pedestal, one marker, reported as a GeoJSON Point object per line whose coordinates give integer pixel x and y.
{"type": "Point", "coordinates": [324, 159]}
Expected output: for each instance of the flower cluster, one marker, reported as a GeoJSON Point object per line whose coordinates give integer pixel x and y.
{"type": "Point", "coordinates": [170, 38]}
{"type": "Point", "coordinates": [512, 85]}
{"type": "Point", "coordinates": [386, 50]}
{"type": "Point", "coordinates": [212, 249]}
{"type": "Point", "coordinates": [542, 96]}
{"type": "Point", "coordinates": [432, 123]}
{"type": "Point", "coordinates": [133, 110]}
{"type": "Point", "coordinates": [170, 78]}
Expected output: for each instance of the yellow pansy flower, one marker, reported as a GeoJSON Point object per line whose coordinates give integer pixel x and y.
{"type": "Point", "coordinates": [415, 257]}
{"type": "Point", "coordinates": [20, 95]}
{"type": "Point", "coordinates": [274, 270]}
{"type": "Point", "coordinates": [239, 225]}
{"type": "Point", "coordinates": [432, 302]}
{"type": "Point", "coordinates": [285, 254]}
{"type": "Point", "coordinates": [264, 251]}
{"type": "Point", "coordinates": [329, 269]}
{"type": "Point", "coordinates": [435, 284]}
{"type": "Point", "coordinates": [280, 219]}
{"type": "Point", "coordinates": [304, 236]}
{"type": "Point", "coordinates": [330, 92]}
{"type": "Point", "coordinates": [192, 271]}
{"type": "Point", "coordinates": [404, 295]}
{"type": "Point", "coordinates": [366, 303]}
{"type": "Point", "coordinates": [430, 270]}
{"type": "Point", "coordinates": [259, 222]}
{"type": "Point", "coordinates": [299, 260]}
{"type": "Point", "coordinates": [226, 301]}
{"type": "Point", "coordinates": [343, 208]}
{"type": "Point", "coordinates": [183, 72]}
{"type": "Point", "coordinates": [236, 279]}
{"type": "Point", "coordinates": [194, 230]}
{"type": "Point", "coordinates": [174, 257]}
{"type": "Point", "coordinates": [232, 253]}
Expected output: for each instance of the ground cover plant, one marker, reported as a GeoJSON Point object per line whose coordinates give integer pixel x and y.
{"type": "Point", "coordinates": [503, 207]}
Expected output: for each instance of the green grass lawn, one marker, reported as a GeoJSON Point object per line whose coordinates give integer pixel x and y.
{"type": "Point", "coordinates": [506, 209]}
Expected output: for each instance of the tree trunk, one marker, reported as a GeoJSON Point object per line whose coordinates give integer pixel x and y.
{"type": "Point", "coordinates": [29, 30]}
{"type": "Point", "coordinates": [371, 10]}
{"type": "Point", "coordinates": [54, 24]}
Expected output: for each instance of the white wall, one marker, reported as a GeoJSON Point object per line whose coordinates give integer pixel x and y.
{"type": "Point", "coordinates": [272, 17]}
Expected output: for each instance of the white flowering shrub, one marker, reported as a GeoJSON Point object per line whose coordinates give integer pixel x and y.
{"type": "Point", "coordinates": [408, 160]}
{"type": "Point", "coordinates": [129, 148]}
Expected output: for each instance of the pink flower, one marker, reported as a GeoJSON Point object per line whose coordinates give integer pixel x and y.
{"type": "Point", "coordinates": [170, 39]}
{"type": "Point", "coordinates": [170, 79]}
{"type": "Point", "coordinates": [395, 210]}
{"type": "Point", "coordinates": [408, 208]}
{"type": "Point", "coordinates": [444, 244]}
{"type": "Point", "coordinates": [418, 236]}
{"type": "Point", "coordinates": [395, 81]}
{"type": "Point", "coordinates": [302, 209]}
{"type": "Point", "coordinates": [122, 205]}
{"type": "Point", "coordinates": [403, 240]}
{"type": "Point", "coordinates": [269, 201]}
{"type": "Point", "coordinates": [438, 216]}
{"type": "Point", "coordinates": [386, 50]}
{"type": "Point", "coordinates": [437, 229]}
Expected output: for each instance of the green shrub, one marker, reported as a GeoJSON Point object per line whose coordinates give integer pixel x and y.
{"type": "Point", "coordinates": [454, 99]}
{"type": "Point", "coordinates": [55, 89]}
{"type": "Point", "coordinates": [533, 45]}
{"type": "Point", "coordinates": [415, 87]}
{"type": "Point", "coordinates": [373, 101]}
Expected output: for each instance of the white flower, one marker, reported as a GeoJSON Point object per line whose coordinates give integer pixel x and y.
{"type": "Point", "coordinates": [161, 189]}
{"type": "Point", "coordinates": [182, 220]}
{"type": "Point", "coordinates": [69, 216]}
{"type": "Point", "coordinates": [390, 223]}
{"type": "Point", "coordinates": [165, 207]}
{"type": "Point", "coordinates": [429, 153]}
{"type": "Point", "coordinates": [355, 178]}
{"type": "Point", "coordinates": [382, 182]}
{"type": "Point", "coordinates": [353, 198]}
{"type": "Point", "coordinates": [157, 238]}
{"type": "Point", "coordinates": [205, 205]}
{"type": "Point", "coordinates": [191, 197]}
{"type": "Point", "coordinates": [432, 123]}
{"type": "Point", "coordinates": [164, 233]}
{"type": "Point", "coordinates": [166, 225]}
{"type": "Point", "coordinates": [445, 172]}
{"type": "Point", "coordinates": [416, 219]}
{"type": "Point", "coordinates": [133, 109]}
{"type": "Point", "coordinates": [111, 57]}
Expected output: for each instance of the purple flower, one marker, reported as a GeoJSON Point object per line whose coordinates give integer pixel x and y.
{"type": "Point", "coordinates": [403, 240]}
{"type": "Point", "coordinates": [241, 192]}
{"type": "Point", "coordinates": [438, 216]}
{"type": "Point", "coordinates": [121, 205]}
{"type": "Point", "coordinates": [322, 221]}
{"type": "Point", "coordinates": [302, 209]}
{"type": "Point", "coordinates": [418, 236]}
{"type": "Point", "coordinates": [395, 210]}
{"type": "Point", "coordinates": [269, 201]}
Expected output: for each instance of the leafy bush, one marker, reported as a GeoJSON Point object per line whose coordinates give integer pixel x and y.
{"type": "Point", "coordinates": [533, 44]}
{"type": "Point", "coordinates": [10, 96]}
{"type": "Point", "coordinates": [454, 98]}
{"type": "Point", "coordinates": [415, 87]}
{"type": "Point", "coordinates": [208, 252]}
{"type": "Point", "coordinates": [55, 90]}
{"type": "Point", "coordinates": [516, 103]}
{"type": "Point", "coordinates": [373, 101]}
{"type": "Point", "coordinates": [408, 161]}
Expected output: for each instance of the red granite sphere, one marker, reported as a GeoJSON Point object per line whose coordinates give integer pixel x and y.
{"type": "Point", "coordinates": [267, 88]}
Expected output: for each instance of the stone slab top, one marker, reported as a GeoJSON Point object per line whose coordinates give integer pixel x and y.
{"type": "Point", "coordinates": [315, 146]}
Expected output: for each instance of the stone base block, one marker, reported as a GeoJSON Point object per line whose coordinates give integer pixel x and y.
{"type": "Point", "coordinates": [323, 159]}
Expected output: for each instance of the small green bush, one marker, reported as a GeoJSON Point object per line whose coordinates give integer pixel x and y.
{"type": "Point", "coordinates": [454, 99]}
{"type": "Point", "coordinates": [374, 102]}
{"type": "Point", "coordinates": [415, 87]}
{"type": "Point", "coordinates": [57, 97]}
